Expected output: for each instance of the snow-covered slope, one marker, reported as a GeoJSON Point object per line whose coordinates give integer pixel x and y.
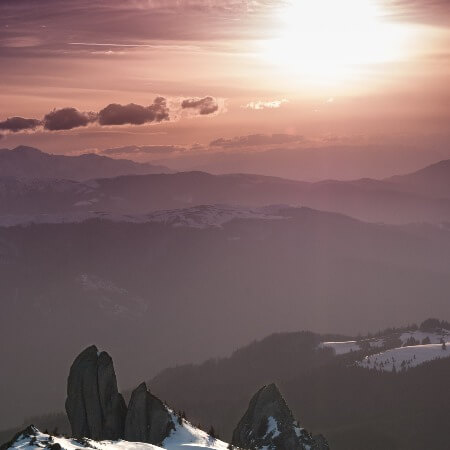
{"type": "Point", "coordinates": [419, 337]}
{"type": "Point", "coordinates": [196, 217]}
{"type": "Point", "coordinates": [188, 436]}
{"type": "Point", "coordinates": [397, 351]}
{"type": "Point", "coordinates": [184, 436]}
{"type": "Point", "coordinates": [435, 337]}
{"type": "Point", "coordinates": [344, 347]}
{"type": "Point", "coordinates": [405, 357]}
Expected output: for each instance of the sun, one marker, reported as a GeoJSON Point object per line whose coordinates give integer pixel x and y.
{"type": "Point", "coordinates": [331, 39]}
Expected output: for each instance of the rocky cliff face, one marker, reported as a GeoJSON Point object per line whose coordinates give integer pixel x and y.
{"type": "Point", "coordinates": [96, 410]}
{"type": "Point", "coordinates": [94, 406]}
{"type": "Point", "coordinates": [148, 419]}
{"type": "Point", "coordinates": [268, 423]}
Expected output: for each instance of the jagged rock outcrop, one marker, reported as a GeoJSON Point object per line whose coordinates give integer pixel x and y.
{"type": "Point", "coordinates": [94, 406]}
{"type": "Point", "coordinates": [268, 423]}
{"type": "Point", "coordinates": [29, 431]}
{"type": "Point", "coordinates": [320, 443]}
{"type": "Point", "coordinates": [148, 419]}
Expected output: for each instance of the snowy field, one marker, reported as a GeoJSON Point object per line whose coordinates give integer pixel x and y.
{"type": "Point", "coordinates": [344, 347]}
{"type": "Point", "coordinates": [404, 358]}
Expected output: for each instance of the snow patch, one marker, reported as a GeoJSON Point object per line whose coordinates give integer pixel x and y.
{"type": "Point", "coordinates": [272, 428]}
{"type": "Point", "coordinates": [188, 436]}
{"type": "Point", "coordinates": [184, 436]}
{"type": "Point", "coordinates": [404, 358]}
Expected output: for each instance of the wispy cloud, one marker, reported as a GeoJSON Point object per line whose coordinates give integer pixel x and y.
{"type": "Point", "coordinates": [256, 140]}
{"type": "Point", "coordinates": [260, 104]}
{"type": "Point", "coordinates": [159, 150]}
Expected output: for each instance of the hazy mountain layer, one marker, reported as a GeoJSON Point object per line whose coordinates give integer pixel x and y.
{"type": "Point", "coordinates": [31, 163]}
{"type": "Point", "coordinates": [422, 197]}
{"type": "Point", "coordinates": [180, 294]}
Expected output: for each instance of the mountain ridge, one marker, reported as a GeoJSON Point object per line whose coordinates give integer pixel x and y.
{"type": "Point", "coordinates": [31, 163]}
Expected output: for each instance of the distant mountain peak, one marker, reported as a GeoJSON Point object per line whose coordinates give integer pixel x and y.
{"type": "Point", "coordinates": [24, 149]}
{"type": "Point", "coordinates": [32, 163]}
{"type": "Point", "coordinates": [431, 180]}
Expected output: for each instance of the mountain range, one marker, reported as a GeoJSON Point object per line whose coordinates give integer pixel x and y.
{"type": "Point", "coordinates": [423, 196]}
{"type": "Point", "coordinates": [31, 163]}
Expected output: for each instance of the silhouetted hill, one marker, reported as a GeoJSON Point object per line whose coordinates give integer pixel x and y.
{"type": "Point", "coordinates": [31, 163]}
{"type": "Point", "coordinates": [433, 180]}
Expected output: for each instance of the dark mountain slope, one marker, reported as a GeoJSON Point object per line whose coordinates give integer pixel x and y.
{"type": "Point", "coordinates": [114, 283]}
{"type": "Point", "coordinates": [355, 408]}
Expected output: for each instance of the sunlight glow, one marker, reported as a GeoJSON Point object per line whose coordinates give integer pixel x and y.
{"type": "Point", "coordinates": [332, 40]}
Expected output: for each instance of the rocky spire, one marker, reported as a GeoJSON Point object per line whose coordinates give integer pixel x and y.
{"type": "Point", "coordinates": [148, 419]}
{"type": "Point", "coordinates": [94, 406]}
{"type": "Point", "coordinates": [268, 423]}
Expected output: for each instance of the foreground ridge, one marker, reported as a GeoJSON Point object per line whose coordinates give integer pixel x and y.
{"type": "Point", "coordinates": [100, 419]}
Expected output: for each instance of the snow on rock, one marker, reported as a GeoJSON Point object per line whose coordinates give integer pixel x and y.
{"type": "Point", "coordinates": [184, 436]}
{"type": "Point", "coordinates": [405, 357]}
{"type": "Point", "coordinates": [33, 439]}
{"type": "Point", "coordinates": [272, 428]}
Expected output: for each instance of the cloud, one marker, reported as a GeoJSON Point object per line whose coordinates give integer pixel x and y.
{"type": "Point", "coordinates": [66, 119]}
{"type": "Point", "coordinates": [15, 124]}
{"type": "Point", "coordinates": [145, 149]}
{"type": "Point", "coordinates": [272, 104]}
{"type": "Point", "coordinates": [256, 139]}
{"type": "Point", "coordinates": [204, 106]}
{"type": "Point", "coordinates": [115, 114]}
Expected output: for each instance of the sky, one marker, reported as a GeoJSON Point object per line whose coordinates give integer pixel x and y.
{"type": "Point", "coordinates": [179, 80]}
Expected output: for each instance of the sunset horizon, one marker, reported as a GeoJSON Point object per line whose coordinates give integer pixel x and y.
{"type": "Point", "coordinates": [224, 224]}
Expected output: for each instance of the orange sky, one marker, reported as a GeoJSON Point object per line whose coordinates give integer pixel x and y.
{"type": "Point", "coordinates": [322, 68]}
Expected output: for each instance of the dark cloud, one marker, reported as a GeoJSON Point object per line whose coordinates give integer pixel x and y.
{"type": "Point", "coordinates": [256, 139]}
{"type": "Point", "coordinates": [15, 124]}
{"type": "Point", "coordinates": [115, 114]}
{"type": "Point", "coordinates": [66, 119]}
{"type": "Point", "coordinates": [204, 106]}
{"type": "Point", "coordinates": [147, 149]}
